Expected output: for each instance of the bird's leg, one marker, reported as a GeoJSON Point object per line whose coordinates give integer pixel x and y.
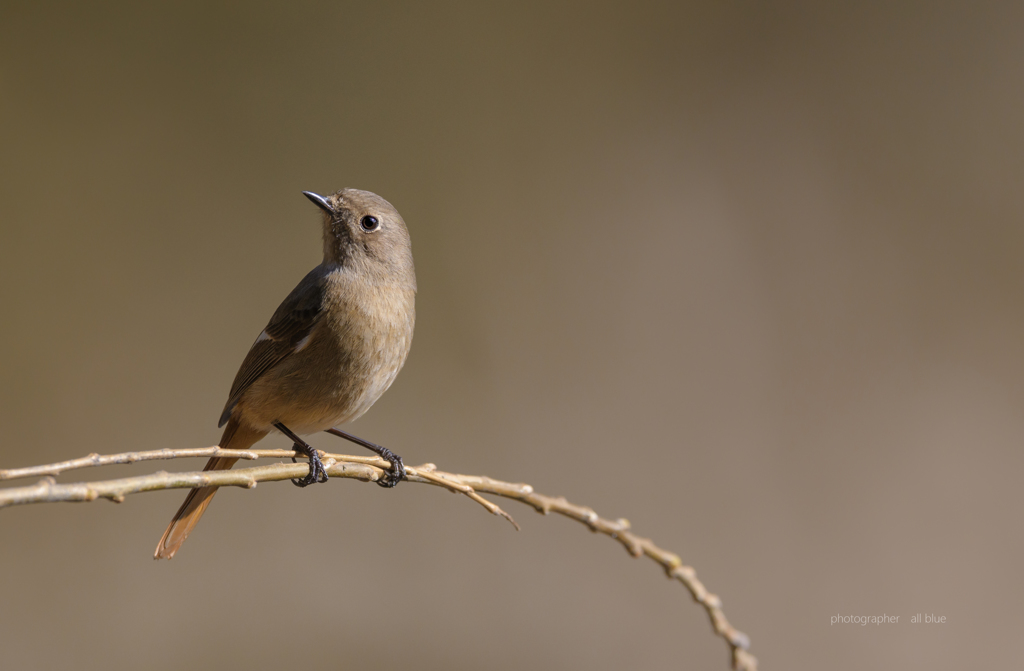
{"type": "Point", "coordinates": [317, 472]}
{"type": "Point", "coordinates": [392, 476]}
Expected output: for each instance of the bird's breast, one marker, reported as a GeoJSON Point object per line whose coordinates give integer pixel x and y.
{"type": "Point", "coordinates": [351, 357]}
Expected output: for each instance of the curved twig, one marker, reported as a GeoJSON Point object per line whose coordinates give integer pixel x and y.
{"type": "Point", "coordinates": [48, 490]}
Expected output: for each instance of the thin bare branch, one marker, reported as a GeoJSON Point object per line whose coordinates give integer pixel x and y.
{"type": "Point", "coordinates": [151, 455]}
{"type": "Point", "coordinates": [48, 490]}
{"type": "Point", "coordinates": [636, 546]}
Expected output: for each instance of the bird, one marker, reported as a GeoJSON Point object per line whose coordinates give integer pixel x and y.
{"type": "Point", "coordinates": [333, 346]}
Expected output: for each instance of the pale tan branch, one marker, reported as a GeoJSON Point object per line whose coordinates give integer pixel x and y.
{"type": "Point", "coordinates": [151, 455]}
{"type": "Point", "coordinates": [48, 490]}
{"type": "Point", "coordinates": [636, 546]}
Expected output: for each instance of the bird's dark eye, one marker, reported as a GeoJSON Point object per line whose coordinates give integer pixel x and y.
{"type": "Point", "coordinates": [369, 223]}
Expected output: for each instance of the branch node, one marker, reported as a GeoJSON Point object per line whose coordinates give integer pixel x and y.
{"type": "Point", "coordinates": [671, 562]}
{"type": "Point", "coordinates": [739, 639]}
{"type": "Point", "coordinates": [634, 545]}
{"type": "Point", "coordinates": [699, 592]}
{"type": "Point", "coordinates": [684, 573]}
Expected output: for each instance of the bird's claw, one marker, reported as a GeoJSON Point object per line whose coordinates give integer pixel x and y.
{"type": "Point", "coordinates": [396, 473]}
{"type": "Point", "coordinates": [317, 472]}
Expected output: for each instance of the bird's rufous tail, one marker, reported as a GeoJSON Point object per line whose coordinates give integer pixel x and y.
{"type": "Point", "coordinates": [236, 437]}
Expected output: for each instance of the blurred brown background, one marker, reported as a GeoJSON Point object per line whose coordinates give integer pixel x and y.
{"type": "Point", "coordinates": [747, 274]}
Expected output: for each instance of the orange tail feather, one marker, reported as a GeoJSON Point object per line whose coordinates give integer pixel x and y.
{"type": "Point", "coordinates": [236, 437]}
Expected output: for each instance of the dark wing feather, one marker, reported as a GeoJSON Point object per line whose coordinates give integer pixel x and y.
{"type": "Point", "coordinates": [293, 321]}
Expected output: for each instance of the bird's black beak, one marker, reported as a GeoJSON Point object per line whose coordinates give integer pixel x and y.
{"type": "Point", "coordinates": [320, 201]}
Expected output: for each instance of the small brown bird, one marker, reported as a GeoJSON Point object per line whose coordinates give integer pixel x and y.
{"type": "Point", "coordinates": [331, 349]}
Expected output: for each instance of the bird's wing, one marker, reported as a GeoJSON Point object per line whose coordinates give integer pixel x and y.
{"type": "Point", "coordinates": [291, 324]}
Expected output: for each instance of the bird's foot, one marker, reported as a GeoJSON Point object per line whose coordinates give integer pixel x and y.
{"type": "Point", "coordinates": [396, 473]}
{"type": "Point", "coordinates": [317, 472]}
